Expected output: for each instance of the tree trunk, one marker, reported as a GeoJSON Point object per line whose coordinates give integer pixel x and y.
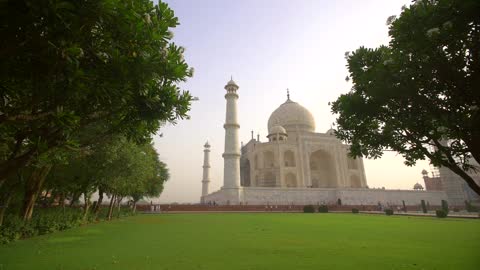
{"type": "Point", "coordinates": [61, 200]}
{"type": "Point", "coordinates": [119, 201]}
{"type": "Point", "coordinates": [76, 195]}
{"type": "Point", "coordinates": [134, 207]}
{"type": "Point", "coordinates": [96, 209]}
{"type": "Point", "coordinates": [452, 165]}
{"type": "Point", "coordinates": [33, 188]}
{"type": "Point", "coordinates": [5, 206]}
{"type": "Point", "coordinates": [110, 208]}
{"type": "Point", "coordinates": [86, 205]}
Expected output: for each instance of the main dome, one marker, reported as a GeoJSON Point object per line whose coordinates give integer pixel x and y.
{"type": "Point", "coordinates": [292, 116]}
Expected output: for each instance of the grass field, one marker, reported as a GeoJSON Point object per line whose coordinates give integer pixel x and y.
{"type": "Point", "coordinates": [254, 241]}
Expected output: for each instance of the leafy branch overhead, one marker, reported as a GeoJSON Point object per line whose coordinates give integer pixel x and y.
{"type": "Point", "coordinates": [68, 65]}
{"type": "Point", "coordinates": [419, 95]}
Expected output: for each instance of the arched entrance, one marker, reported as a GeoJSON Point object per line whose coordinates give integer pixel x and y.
{"type": "Point", "coordinates": [291, 180]}
{"type": "Point", "coordinates": [268, 159]}
{"type": "Point", "coordinates": [289, 158]}
{"type": "Point", "coordinates": [322, 170]}
{"type": "Point", "coordinates": [245, 173]}
{"type": "Point", "coordinates": [269, 179]}
{"type": "Point", "coordinates": [355, 181]}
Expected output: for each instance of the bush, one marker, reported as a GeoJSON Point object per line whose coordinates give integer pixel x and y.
{"type": "Point", "coordinates": [445, 206]}
{"type": "Point", "coordinates": [308, 209]}
{"type": "Point", "coordinates": [323, 209]}
{"type": "Point", "coordinates": [441, 213]}
{"type": "Point", "coordinates": [355, 211]}
{"type": "Point", "coordinates": [388, 212]}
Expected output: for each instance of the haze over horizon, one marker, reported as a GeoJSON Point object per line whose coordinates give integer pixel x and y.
{"type": "Point", "coordinates": [268, 46]}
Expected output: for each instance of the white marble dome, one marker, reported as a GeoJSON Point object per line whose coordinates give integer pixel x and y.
{"type": "Point", "coordinates": [291, 116]}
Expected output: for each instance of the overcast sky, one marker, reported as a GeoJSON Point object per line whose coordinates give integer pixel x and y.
{"type": "Point", "coordinates": [268, 46]}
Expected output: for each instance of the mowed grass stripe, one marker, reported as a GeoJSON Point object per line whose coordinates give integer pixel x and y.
{"type": "Point", "coordinates": [254, 241]}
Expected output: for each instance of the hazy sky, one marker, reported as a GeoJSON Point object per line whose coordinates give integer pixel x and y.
{"type": "Point", "coordinates": [268, 46]}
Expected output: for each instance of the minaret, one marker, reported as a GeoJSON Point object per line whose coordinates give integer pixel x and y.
{"type": "Point", "coordinates": [206, 171]}
{"type": "Point", "coordinates": [231, 156]}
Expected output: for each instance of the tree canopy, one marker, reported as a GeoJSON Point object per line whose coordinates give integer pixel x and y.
{"type": "Point", "coordinates": [420, 95]}
{"type": "Point", "coordinates": [84, 85]}
{"type": "Point", "coordinates": [67, 65]}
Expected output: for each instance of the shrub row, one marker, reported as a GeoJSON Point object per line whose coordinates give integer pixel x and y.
{"type": "Point", "coordinates": [322, 209]}
{"type": "Point", "coordinates": [311, 209]}
{"type": "Point", "coordinates": [46, 221]}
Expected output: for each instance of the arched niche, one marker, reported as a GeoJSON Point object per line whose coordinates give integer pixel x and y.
{"type": "Point", "coordinates": [269, 179]}
{"type": "Point", "coordinates": [268, 159]}
{"type": "Point", "coordinates": [322, 170]}
{"type": "Point", "coordinates": [291, 180]}
{"type": "Point", "coordinates": [289, 158]}
{"type": "Point", "coordinates": [245, 173]}
{"type": "Point", "coordinates": [355, 181]}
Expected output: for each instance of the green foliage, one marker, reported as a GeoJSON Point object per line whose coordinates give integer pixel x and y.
{"type": "Point", "coordinates": [308, 209]}
{"type": "Point", "coordinates": [46, 221]}
{"type": "Point", "coordinates": [424, 207]}
{"type": "Point", "coordinates": [323, 209]}
{"type": "Point", "coordinates": [441, 213]}
{"type": "Point", "coordinates": [388, 212]}
{"type": "Point", "coordinates": [419, 95]}
{"type": "Point", "coordinates": [72, 66]}
{"type": "Point", "coordinates": [355, 211]}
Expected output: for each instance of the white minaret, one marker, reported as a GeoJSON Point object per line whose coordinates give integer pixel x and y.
{"type": "Point", "coordinates": [231, 156]}
{"type": "Point", "coordinates": [206, 171]}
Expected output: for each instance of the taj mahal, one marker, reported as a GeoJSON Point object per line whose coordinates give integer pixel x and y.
{"type": "Point", "coordinates": [296, 166]}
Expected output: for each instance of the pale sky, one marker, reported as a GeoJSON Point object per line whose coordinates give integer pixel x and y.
{"type": "Point", "coordinates": [268, 46]}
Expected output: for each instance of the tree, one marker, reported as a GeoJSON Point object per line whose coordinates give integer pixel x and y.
{"type": "Point", "coordinates": [67, 65]}
{"type": "Point", "coordinates": [419, 95]}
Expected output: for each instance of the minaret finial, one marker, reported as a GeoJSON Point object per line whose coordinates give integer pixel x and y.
{"type": "Point", "coordinates": [231, 77]}
{"type": "Point", "coordinates": [288, 94]}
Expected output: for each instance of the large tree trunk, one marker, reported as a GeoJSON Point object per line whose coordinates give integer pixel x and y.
{"type": "Point", "coordinates": [86, 206]}
{"type": "Point", "coordinates": [452, 165]}
{"type": "Point", "coordinates": [96, 209]}
{"type": "Point", "coordinates": [76, 195]}
{"type": "Point", "coordinates": [61, 200]}
{"type": "Point", "coordinates": [33, 187]}
{"type": "Point", "coordinates": [134, 207]}
{"type": "Point", "coordinates": [119, 201]}
{"type": "Point", "coordinates": [110, 208]}
{"type": "Point", "coordinates": [3, 210]}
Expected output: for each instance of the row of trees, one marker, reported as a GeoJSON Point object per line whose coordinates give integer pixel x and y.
{"type": "Point", "coordinates": [84, 85]}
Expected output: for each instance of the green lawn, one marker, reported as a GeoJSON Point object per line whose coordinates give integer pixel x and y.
{"type": "Point", "coordinates": [254, 241]}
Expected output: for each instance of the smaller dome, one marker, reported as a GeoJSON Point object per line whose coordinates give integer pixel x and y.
{"type": "Point", "coordinates": [207, 145]}
{"type": "Point", "coordinates": [278, 130]}
{"type": "Point", "coordinates": [330, 132]}
{"type": "Point", "coordinates": [424, 172]}
{"type": "Point", "coordinates": [417, 186]}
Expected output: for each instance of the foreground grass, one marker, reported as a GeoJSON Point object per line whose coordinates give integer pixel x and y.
{"type": "Point", "coordinates": [254, 241]}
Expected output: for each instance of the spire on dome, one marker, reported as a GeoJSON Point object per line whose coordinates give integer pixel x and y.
{"type": "Point", "coordinates": [288, 94]}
